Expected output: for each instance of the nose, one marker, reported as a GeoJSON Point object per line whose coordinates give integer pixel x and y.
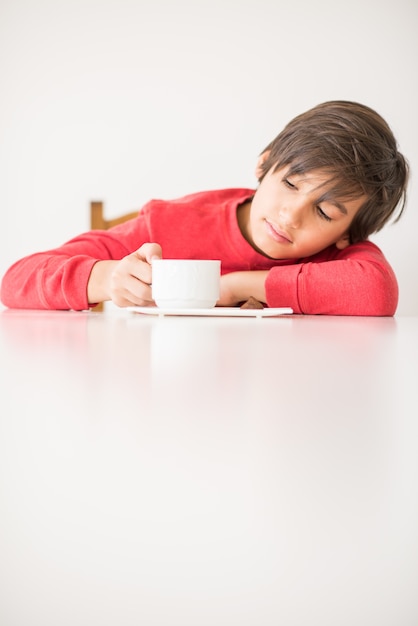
{"type": "Point", "coordinates": [293, 213]}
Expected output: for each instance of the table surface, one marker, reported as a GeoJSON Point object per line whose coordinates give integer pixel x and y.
{"type": "Point", "coordinates": [208, 471]}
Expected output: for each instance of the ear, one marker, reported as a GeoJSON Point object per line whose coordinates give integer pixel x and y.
{"type": "Point", "coordinates": [343, 242]}
{"type": "Point", "coordinates": [260, 162]}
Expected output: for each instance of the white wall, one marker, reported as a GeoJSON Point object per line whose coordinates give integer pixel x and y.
{"type": "Point", "coordinates": [125, 100]}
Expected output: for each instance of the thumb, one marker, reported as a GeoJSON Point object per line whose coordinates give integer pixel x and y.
{"type": "Point", "coordinates": [150, 251]}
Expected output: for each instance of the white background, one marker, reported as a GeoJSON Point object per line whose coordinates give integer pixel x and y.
{"type": "Point", "coordinates": [127, 100]}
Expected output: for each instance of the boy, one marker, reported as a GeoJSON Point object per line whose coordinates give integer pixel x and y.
{"type": "Point", "coordinates": [330, 179]}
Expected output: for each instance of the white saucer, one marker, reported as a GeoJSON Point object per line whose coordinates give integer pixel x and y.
{"type": "Point", "coordinates": [214, 312]}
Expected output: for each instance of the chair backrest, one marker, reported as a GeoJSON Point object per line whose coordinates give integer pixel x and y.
{"type": "Point", "coordinates": [99, 222]}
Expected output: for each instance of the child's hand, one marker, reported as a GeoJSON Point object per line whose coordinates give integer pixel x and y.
{"type": "Point", "coordinates": [126, 282]}
{"type": "Point", "coordinates": [131, 278]}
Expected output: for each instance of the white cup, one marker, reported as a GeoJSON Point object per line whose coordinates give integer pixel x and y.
{"type": "Point", "coordinates": [185, 283]}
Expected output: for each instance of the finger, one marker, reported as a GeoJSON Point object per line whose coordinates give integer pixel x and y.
{"type": "Point", "coordinates": [135, 266]}
{"type": "Point", "coordinates": [149, 251]}
{"type": "Point", "coordinates": [133, 292]}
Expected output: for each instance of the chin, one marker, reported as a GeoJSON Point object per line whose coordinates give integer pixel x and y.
{"type": "Point", "coordinates": [271, 254]}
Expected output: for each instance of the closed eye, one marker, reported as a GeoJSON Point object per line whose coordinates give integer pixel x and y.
{"type": "Point", "coordinates": [322, 214]}
{"type": "Point", "coordinates": [320, 211]}
{"type": "Point", "coordinates": [288, 183]}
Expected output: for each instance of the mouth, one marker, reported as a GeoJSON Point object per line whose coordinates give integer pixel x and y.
{"type": "Point", "coordinates": [277, 234]}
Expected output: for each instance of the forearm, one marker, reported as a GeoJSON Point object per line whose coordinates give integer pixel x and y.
{"type": "Point", "coordinates": [237, 287]}
{"type": "Point", "coordinates": [98, 286]}
{"type": "Point", "coordinates": [61, 278]}
{"type": "Point", "coordinates": [47, 281]}
{"type": "Point", "coordinates": [342, 287]}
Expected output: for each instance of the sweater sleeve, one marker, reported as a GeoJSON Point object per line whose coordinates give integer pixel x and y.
{"type": "Point", "coordinates": [47, 281]}
{"type": "Point", "coordinates": [58, 278]}
{"type": "Point", "coordinates": [354, 281]}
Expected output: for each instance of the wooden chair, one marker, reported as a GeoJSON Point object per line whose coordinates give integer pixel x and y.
{"type": "Point", "coordinates": [99, 222]}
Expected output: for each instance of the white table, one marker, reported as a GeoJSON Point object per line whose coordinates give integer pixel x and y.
{"type": "Point", "coordinates": [208, 471]}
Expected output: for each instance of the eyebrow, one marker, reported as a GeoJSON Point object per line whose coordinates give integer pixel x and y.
{"type": "Point", "coordinates": [340, 206]}
{"type": "Point", "coordinates": [334, 202]}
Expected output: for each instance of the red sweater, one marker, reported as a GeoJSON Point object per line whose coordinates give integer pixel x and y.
{"type": "Point", "coordinates": [355, 281]}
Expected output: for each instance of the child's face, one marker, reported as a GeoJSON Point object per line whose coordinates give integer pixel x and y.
{"type": "Point", "coordinates": [286, 221]}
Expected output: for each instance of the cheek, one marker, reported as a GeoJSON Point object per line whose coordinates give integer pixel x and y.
{"type": "Point", "coordinates": [256, 212]}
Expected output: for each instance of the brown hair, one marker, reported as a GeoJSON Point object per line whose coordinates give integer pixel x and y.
{"type": "Point", "coordinates": [357, 148]}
